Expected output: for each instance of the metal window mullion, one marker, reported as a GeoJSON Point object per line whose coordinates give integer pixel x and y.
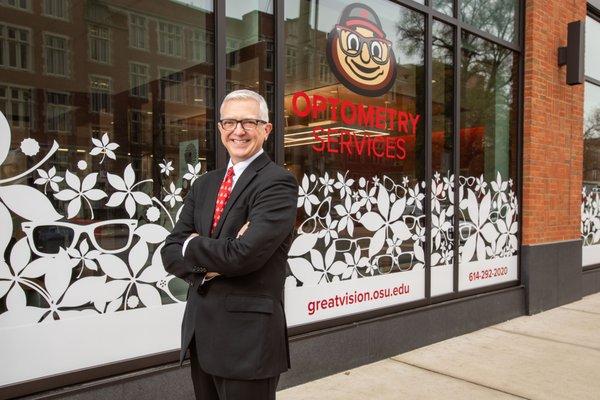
{"type": "Point", "coordinates": [279, 89]}
{"type": "Point", "coordinates": [456, 150]}
{"type": "Point", "coordinates": [220, 77]}
{"type": "Point", "coordinates": [589, 79]}
{"type": "Point", "coordinates": [428, 158]}
{"type": "Point", "coordinates": [519, 155]}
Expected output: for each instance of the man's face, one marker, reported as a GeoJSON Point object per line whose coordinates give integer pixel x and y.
{"type": "Point", "coordinates": [242, 144]}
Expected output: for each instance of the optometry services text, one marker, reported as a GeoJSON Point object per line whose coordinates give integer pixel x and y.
{"type": "Point", "coordinates": [380, 144]}
{"type": "Point", "coordinates": [350, 113]}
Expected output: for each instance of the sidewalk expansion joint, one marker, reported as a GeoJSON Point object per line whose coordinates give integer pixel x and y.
{"type": "Point", "coordinates": [582, 311]}
{"type": "Point", "coordinates": [545, 338]}
{"type": "Point", "coordinates": [460, 379]}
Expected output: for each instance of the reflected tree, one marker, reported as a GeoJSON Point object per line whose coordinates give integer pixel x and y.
{"type": "Point", "coordinates": [592, 125]}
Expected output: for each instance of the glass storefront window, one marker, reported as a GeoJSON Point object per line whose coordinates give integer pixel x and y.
{"type": "Point", "coordinates": [355, 140]}
{"type": "Point", "coordinates": [250, 48]}
{"type": "Point", "coordinates": [590, 231]}
{"type": "Point", "coordinates": [498, 17]}
{"type": "Point", "coordinates": [109, 109]}
{"type": "Point", "coordinates": [101, 139]}
{"type": "Point", "coordinates": [488, 205]}
{"type": "Point", "coordinates": [591, 136]}
{"type": "Point", "coordinates": [444, 6]}
{"type": "Point", "coordinates": [442, 136]}
{"type": "Point", "coordinates": [592, 53]}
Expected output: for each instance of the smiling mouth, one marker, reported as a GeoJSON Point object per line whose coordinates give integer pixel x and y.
{"type": "Point", "coordinates": [366, 70]}
{"type": "Point", "coordinates": [240, 141]}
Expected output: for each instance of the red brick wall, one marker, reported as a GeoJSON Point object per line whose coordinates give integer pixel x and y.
{"type": "Point", "coordinates": [553, 124]}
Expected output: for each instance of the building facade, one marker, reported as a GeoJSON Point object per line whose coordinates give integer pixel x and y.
{"type": "Point", "coordinates": [447, 174]}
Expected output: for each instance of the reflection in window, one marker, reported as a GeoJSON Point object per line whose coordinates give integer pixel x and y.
{"type": "Point", "coordinates": [232, 51]}
{"type": "Point", "coordinates": [57, 8]}
{"type": "Point", "coordinates": [488, 163]}
{"type": "Point", "coordinates": [488, 109]}
{"type": "Point", "coordinates": [270, 95]}
{"type": "Point", "coordinates": [270, 54]}
{"type": "Point", "coordinates": [114, 132]}
{"type": "Point", "coordinates": [170, 39]}
{"type": "Point", "coordinates": [442, 184]}
{"type": "Point", "coordinates": [16, 104]}
{"type": "Point", "coordinates": [58, 112]}
{"type": "Point", "coordinates": [325, 75]}
{"type": "Point", "coordinates": [138, 32]}
{"type": "Point", "coordinates": [202, 88]}
{"type": "Point", "coordinates": [19, 4]}
{"type": "Point", "coordinates": [56, 51]}
{"type": "Point", "coordinates": [250, 51]}
{"type": "Point", "coordinates": [201, 44]}
{"type": "Point", "coordinates": [445, 6]}
{"type": "Point", "coordinates": [592, 50]}
{"type": "Point", "coordinates": [138, 124]}
{"type": "Point", "coordinates": [351, 165]}
{"type": "Point", "coordinates": [290, 61]}
{"type": "Point", "coordinates": [138, 79]}
{"type": "Point", "coordinates": [498, 17]}
{"type": "Point", "coordinates": [99, 38]}
{"type": "Point", "coordinates": [100, 93]}
{"type": "Point", "coordinates": [591, 174]}
{"type": "Point", "coordinates": [171, 85]}
{"type": "Point", "coordinates": [15, 45]}
{"type": "Point", "coordinates": [591, 136]}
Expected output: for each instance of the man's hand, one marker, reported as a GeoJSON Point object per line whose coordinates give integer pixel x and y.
{"type": "Point", "coordinates": [243, 229]}
{"type": "Point", "coordinates": [210, 275]}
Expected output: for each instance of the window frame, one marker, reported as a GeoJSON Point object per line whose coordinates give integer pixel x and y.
{"type": "Point", "coordinates": [99, 39]}
{"type": "Point", "coordinates": [145, 80]}
{"type": "Point", "coordinates": [166, 93]}
{"type": "Point", "coordinates": [10, 101]}
{"type": "Point", "coordinates": [5, 43]}
{"type": "Point", "coordinates": [594, 14]}
{"type": "Point", "coordinates": [145, 31]}
{"type": "Point", "coordinates": [27, 8]}
{"type": "Point", "coordinates": [67, 55]}
{"type": "Point", "coordinates": [68, 107]}
{"type": "Point", "coordinates": [67, 7]}
{"type": "Point", "coordinates": [108, 92]}
{"type": "Point", "coordinates": [172, 37]}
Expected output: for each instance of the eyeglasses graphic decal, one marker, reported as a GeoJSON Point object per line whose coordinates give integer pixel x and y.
{"type": "Point", "coordinates": [352, 42]}
{"type": "Point", "coordinates": [110, 237]}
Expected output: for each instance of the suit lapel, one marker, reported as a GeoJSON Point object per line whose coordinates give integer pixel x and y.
{"type": "Point", "coordinates": [207, 212]}
{"type": "Point", "coordinates": [241, 184]}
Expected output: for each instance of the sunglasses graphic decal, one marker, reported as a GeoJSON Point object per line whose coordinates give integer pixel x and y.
{"type": "Point", "coordinates": [110, 237]}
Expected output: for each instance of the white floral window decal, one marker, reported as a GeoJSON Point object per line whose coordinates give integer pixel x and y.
{"type": "Point", "coordinates": [73, 269]}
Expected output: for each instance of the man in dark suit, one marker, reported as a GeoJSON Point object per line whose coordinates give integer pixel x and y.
{"type": "Point", "coordinates": [230, 245]}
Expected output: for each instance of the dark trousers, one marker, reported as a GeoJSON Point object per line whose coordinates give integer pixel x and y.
{"type": "Point", "coordinates": [211, 387]}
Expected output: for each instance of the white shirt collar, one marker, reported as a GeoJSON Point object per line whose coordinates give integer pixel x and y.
{"type": "Point", "coordinates": [239, 167]}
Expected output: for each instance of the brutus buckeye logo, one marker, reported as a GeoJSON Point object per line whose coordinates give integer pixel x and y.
{"type": "Point", "coordinates": [359, 54]}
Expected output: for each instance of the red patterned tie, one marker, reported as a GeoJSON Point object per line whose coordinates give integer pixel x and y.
{"type": "Point", "coordinates": [222, 197]}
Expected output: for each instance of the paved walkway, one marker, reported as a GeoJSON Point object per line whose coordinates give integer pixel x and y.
{"type": "Point", "coordinates": [552, 355]}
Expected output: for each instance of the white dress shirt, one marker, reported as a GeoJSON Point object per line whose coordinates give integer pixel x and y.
{"type": "Point", "coordinates": [238, 169]}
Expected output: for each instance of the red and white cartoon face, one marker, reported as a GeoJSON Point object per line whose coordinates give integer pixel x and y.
{"type": "Point", "coordinates": [359, 54]}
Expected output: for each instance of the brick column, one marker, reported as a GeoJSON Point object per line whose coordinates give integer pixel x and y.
{"type": "Point", "coordinates": [552, 159]}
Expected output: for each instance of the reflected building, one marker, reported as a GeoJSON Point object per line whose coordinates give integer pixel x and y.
{"type": "Point", "coordinates": [437, 152]}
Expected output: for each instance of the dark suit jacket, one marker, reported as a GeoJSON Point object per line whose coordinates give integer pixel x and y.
{"type": "Point", "coordinates": [238, 318]}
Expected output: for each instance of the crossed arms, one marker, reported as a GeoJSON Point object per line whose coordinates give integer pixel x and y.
{"type": "Point", "coordinates": [272, 216]}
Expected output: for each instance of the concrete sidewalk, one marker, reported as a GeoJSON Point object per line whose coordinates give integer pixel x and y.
{"type": "Point", "coordinates": [551, 355]}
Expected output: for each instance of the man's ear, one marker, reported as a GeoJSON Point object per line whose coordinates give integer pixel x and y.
{"type": "Point", "coordinates": [268, 128]}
